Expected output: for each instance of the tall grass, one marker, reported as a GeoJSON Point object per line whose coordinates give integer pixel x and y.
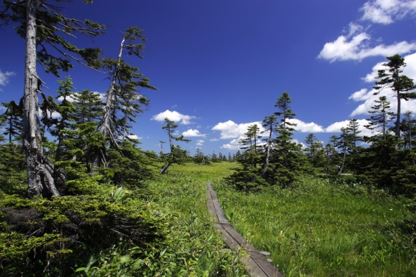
{"type": "Point", "coordinates": [321, 229]}
{"type": "Point", "coordinates": [190, 246]}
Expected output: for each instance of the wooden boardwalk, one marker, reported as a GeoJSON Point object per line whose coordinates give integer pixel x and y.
{"type": "Point", "coordinates": [255, 261]}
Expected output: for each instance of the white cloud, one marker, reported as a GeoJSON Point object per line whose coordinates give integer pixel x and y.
{"type": "Point", "coordinates": [368, 98]}
{"type": "Point", "coordinates": [192, 133]}
{"type": "Point", "coordinates": [72, 98]}
{"type": "Point", "coordinates": [387, 11]}
{"type": "Point", "coordinates": [336, 126]}
{"type": "Point", "coordinates": [173, 116]}
{"type": "Point", "coordinates": [200, 143]}
{"type": "Point", "coordinates": [359, 95]}
{"type": "Point", "coordinates": [134, 137]}
{"type": "Point", "coordinates": [356, 47]}
{"type": "Point", "coordinates": [5, 77]}
{"type": "Point", "coordinates": [234, 131]}
{"type": "Point", "coordinates": [230, 130]}
{"type": "Point", "coordinates": [296, 141]}
{"type": "Point", "coordinates": [234, 144]}
{"type": "Point", "coordinates": [304, 127]}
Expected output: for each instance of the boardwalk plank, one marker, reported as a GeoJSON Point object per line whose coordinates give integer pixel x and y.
{"type": "Point", "coordinates": [256, 263]}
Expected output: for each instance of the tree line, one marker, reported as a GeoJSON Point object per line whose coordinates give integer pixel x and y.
{"type": "Point", "coordinates": [385, 159]}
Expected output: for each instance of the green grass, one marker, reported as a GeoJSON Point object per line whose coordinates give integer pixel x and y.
{"type": "Point", "coordinates": [190, 245]}
{"type": "Point", "coordinates": [193, 245]}
{"type": "Point", "coordinates": [319, 229]}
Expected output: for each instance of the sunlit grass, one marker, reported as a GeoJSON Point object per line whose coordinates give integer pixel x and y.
{"type": "Point", "coordinates": [194, 248]}
{"type": "Point", "coordinates": [320, 229]}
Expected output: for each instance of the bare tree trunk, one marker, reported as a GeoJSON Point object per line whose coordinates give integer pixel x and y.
{"type": "Point", "coordinates": [165, 168]}
{"type": "Point", "coordinates": [106, 126]}
{"type": "Point", "coordinates": [40, 172]}
{"type": "Point", "coordinates": [268, 152]}
{"type": "Point", "coordinates": [397, 123]}
{"type": "Point", "coordinates": [343, 163]}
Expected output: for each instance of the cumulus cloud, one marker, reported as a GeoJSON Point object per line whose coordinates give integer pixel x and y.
{"type": "Point", "coordinates": [230, 130]}
{"type": "Point", "coordinates": [367, 96]}
{"type": "Point", "coordinates": [192, 133]}
{"type": "Point", "coordinates": [337, 126]}
{"type": "Point", "coordinates": [234, 144]}
{"type": "Point", "coordinates": [72, 98]}
{"type": "Point", "coordinates": [387, 11]}
{"type": "Point", "coordinates": [304, 127]}
{"type": "Point", "coordinates": [356, 44]}
{"type": "Point", "coordinates": [356, 47]}
{"type": "Point", "coordinates": [200, 143]}
{"type": "Point", "coordinates": [173, 116]}
{"type": "Point", "coordinates": [134, 137]}
{"type": "Point", "coordinates": [5, 77]}
{"type": "Point", "coordinates": [234, 131]}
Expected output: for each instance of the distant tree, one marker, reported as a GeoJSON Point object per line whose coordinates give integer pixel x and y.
{"type": "Point", "coordinates": [200, 158]}
{"type": "Point", "coordinates": [12, 121]}
{"type": "Point", "coordinates": [332, 155]}
{"type": "Point", "coordinates": [315, 151]}
{"type": "Point", "coordinates": [347, 142]}
{"type": "Point", "coordinates": [408, 129]}
{"type": "Point", "coordinates": [391, 76]}
{"type": "Point", "coordinates": [45, 31]}
{"type": "Point", "coordinates": [250, 145]}
{"type": "Point", "coordinates": [269, 123]}
{"type": "Point", "coordinates": [176, 154]}
{"type": "Point", "coordinates": [380, 116]}
{"type": "Point", "coordinates": [248, 177]}
{"type": "Point", "coordinates": [286, 157]}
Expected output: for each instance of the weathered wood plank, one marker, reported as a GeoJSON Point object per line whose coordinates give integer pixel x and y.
{"type": "Point", "coordinates": [256, 264]}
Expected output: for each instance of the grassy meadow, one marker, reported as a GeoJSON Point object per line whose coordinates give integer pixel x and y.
{"type": "Point", "coordinates": [321, 229]}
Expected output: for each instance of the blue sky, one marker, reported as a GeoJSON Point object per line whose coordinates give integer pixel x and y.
{"type": "Point", "coordinates": [219, 65]}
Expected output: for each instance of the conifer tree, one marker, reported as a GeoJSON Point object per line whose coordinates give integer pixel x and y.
{"type": "Point", "coordinates": [45, 31]}
{"type": "Point", "coordinates": [87, 143]}
{"type": "Point", "coordinates": [332, 155]}
{"type": "Point", "coordinates": [391, 76]}
{"type": "Point", "coordinates": [380, 116]}
{"type": "Point", "coordinates": [123, 100]}
{"type": "Point", "coordinates": [250, 143]}
{"type": "Point", "coordinates": [348, 141]}
{"type": "Point", "coordinates": [314, 151]}
{"type": "Point", "coordinates": [286, 158]}
{"type": "Point", "coordinates": [11, 121]}
{"type": "Point", "coordinates": [269, 123]}
{"type": "Point", "coordinates": [408, 129]}
{"type": "Point", "coordinates": [176, 154]}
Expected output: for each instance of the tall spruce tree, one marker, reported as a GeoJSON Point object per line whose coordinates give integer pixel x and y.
{"type": "Point", "coordinates": [286, 157]}
{"type": "Point", "coordinates": [391, 76]}
{"type": "Point", "coordinates": [45, 31]}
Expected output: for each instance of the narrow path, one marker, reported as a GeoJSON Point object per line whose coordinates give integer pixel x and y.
{"type": "Point", "coordinates": [255, 261]}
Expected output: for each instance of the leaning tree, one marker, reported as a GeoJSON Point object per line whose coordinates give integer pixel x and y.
{"type": "Point", "coordinates": [123, 100]}
{"type": "Point", "coordinates": [48, 35]}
